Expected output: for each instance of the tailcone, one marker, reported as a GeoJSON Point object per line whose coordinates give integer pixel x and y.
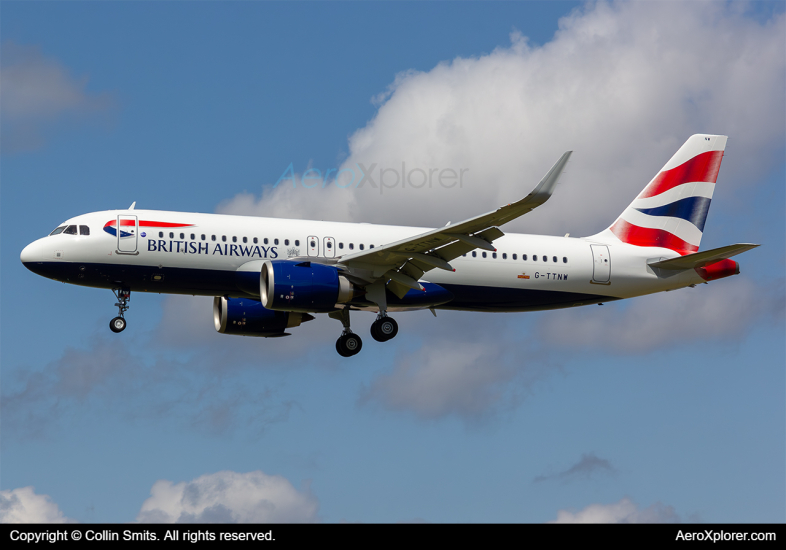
{"type": "Point", "coordinates": [718, 270]}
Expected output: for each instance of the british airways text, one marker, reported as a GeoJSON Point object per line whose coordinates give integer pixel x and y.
{"type": "Point", "coordinates": [189, 247]}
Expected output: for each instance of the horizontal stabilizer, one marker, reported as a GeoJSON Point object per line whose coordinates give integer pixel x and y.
{"type": "Point", "coordinates": [701, 259]}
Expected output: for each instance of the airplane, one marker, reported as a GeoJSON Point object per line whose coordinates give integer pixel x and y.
{"type": "Point", "coordinates": [270, 275]}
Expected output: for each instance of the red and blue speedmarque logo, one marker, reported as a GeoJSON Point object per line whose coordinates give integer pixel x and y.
{"type": "Point", "coordinates": [127, 226]}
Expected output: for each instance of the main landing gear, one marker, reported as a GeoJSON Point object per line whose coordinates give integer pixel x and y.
{"type": "Point", "coordinates": [349, 343]}
{"type": "Point", "coordinates": [118, 324]}
{"type": "Point", "coordinates": [384, 328]}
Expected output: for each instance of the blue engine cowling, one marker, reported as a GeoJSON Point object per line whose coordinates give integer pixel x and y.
{"type": "Point", "coordinates": [247, 317]}
{"type": "Point", "coordinates": [286, 285]}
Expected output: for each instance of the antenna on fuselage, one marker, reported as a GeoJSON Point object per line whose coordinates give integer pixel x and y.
{"type": "Point", "coordinates": [133, 204]}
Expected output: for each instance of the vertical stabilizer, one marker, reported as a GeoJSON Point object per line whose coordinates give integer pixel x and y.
{"type": "Point", "coordinates": [671, 210]}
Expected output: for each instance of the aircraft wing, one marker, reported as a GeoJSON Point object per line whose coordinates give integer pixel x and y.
{"type": "Point", "coordinates": [404, 262]}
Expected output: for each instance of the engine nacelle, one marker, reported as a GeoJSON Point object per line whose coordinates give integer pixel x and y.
{"type": "Point", "coordinates": [247, 317]}
{"type": "Point", "coordinates": [286, 285]}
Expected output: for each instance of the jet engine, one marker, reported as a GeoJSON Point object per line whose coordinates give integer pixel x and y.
{"type": "Point", "coordinates": [247, 317]}
{"type": "Point", "coordinates": [286, 285]}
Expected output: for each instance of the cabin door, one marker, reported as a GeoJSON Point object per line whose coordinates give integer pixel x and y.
{"type": "Point", "coordinates": [601, 268]}
{"type": "Point", "coordinates": [127, 234]}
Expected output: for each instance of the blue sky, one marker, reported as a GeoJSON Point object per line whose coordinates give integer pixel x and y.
{"type": "Point", "coordinates": [663, 408]}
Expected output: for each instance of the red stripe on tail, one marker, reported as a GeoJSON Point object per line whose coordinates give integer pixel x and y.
{"type": "Point", "coordinates": [702, 167]}
{"type": "Point", "coordinates": [645, 236]}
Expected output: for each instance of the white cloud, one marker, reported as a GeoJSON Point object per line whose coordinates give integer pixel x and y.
{"type": "Point", "coordinates": [483, 372]}
{"type": "Point", "coordinates": [623, 511]}
{"type": "Point", "coordinates": [721, 310]}
{"type": "Point", "coordinates": [24, 506]}
{"type": "Point", "coordinates": [441, 379]}
{"type": "Point", "coordinates": [623, 84]}
{"type": "Point", "coordinates": [36, 91]}
{"type": "Point", "coordinates": [201, 390]}
{"type": "Point", "coordinates": [229, 497]}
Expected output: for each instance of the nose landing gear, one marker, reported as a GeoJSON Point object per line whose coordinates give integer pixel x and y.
{"type": "Point", "coordinates": [118, 324]}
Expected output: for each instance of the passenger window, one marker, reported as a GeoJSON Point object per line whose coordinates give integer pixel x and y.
{"type": "Point", "coordinates": [554, 258]}
{"type": "Point", "coordinates": [212, 237]}
{"type": "Point", "coordinates": [504, 256]}
{"type": "Point", "coordinates": [297, 242]}
{"type": "Point", "coordinates": [245, 239]}
{"type": "Point", "coordinates": [474, 254]}
{"type": "Point", "coordinates": [182, 235]}
{"type": "Point", "coordinates": [203, 236]}
{"type": "Point", "coordinates": [494, 255]}
{"type": "Point", "coordinates": [351, 246]}
{"type": "Point", "coordinates": [484, 254]}
{"type": "Point", "coordinates": [84, 230]}
{"type": "Point", "coordinates": [341, 245]}
{"type": "Point", "coordinates": [286, 242]}
{"type": "Point", "coordinates": [524, 257]}
{"type": "Point", "coordinates": [256, 240]}
{"type": "Point", "coordinates": [534, 257]}
{"type": "Point", "coordinates": [564, 260]}
{"type": "Point", "coordinates": [371, 246]}
{"type": "Point", "coordinates": [223, 238]}
{"type": "Point", "coordinates": [161, 234]}
{"type": "Point", "coordinates": [361, 247]}
{"type": "Point", "coordinates": [234, 239]}
{"type": "Point", "coordinates": [514, 256]}
{"type": "Point", "coordinates": [171, 235]}
{"type": "Point", "coordinates": [58, 230]}
{"type": "Point", "coordinates": [70, 230]}
{"type": "Point", "coordinates": [265, 240]}
{"type": "Point", "coordinates": [193, 237]}
{"type": "Point", "coordinates": [275, 241]}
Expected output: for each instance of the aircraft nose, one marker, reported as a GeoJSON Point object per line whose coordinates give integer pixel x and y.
{"type": "Point", "coordinates": [31, 253]}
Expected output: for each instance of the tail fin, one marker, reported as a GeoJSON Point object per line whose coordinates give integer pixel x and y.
{"type": "Point", "coordinates": [670, 212]}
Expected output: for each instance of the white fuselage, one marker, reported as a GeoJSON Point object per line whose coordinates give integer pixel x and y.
{"type": "Point", "coordinates": [199, 254]}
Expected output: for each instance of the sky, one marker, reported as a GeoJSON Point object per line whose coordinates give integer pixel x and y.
{"type": "Point", "coordinates": [663, 408]}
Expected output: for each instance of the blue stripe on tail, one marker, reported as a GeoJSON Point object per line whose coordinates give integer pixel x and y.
{"type": "Point", "coordinates": [692, 209]}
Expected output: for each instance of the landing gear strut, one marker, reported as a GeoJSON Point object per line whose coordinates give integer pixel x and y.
{"type": "Point", "coordinates": [118, 324]}
{"type": "Point", "coordinates": [349, 343]}
{"type": "Point", "coordinates": [384, 328]}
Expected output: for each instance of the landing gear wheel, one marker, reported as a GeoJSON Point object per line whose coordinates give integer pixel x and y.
{"type": "Point", "coordinates": [348, 345]}
{"type": "Point", "coordinates": [118, 324]}
{"type": "Point", "coordinates": [384, 329]}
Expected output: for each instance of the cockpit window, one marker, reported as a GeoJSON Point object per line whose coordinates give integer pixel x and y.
{"type": "Point", "coordinates": [58, 230]}
{"type": "Point", "coordinates": [84, 230]}
{"type": "Point", "coordinates": [70, 230]}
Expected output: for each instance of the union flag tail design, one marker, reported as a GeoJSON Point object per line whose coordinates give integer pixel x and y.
{"type": "Point", "coordinates": [670, 212]}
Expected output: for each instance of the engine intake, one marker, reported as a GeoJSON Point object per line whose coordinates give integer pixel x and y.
{"type": "Point", "coordinates": [285, 285]}
{"type": "Point", "coordinates": [247, 317]}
